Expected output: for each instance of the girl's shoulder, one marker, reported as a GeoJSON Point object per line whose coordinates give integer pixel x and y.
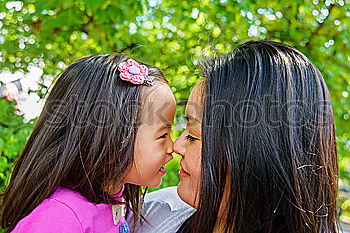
{"type": "Point", "coordinates": [66, 211]}
{"type": "Point", "coordinates": [71, 199]}
{"type": "Point", "coordinates": [83, 209]}
{"type": "Point", "coordinates": [51, 215]}
{"type": "Point", "coordinates": [164, 211]}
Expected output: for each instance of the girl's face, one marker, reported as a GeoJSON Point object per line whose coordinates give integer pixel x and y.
{"type": "Point", "coordinates": [189, 146]}
{"type": "Point", "coordinates": [153, 145]}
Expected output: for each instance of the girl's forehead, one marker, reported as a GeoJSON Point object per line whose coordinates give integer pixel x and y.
{"type": "Point", "coordinates": [156, 93]}
{"type": "Point", "coordinates": [158, 105]}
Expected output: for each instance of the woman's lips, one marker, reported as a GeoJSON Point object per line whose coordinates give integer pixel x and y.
{"type": "Point", "coordinates": [183, 172]}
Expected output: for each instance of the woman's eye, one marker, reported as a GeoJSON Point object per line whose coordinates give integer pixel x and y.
{"type": "Point", "coordinates": [191, 139]}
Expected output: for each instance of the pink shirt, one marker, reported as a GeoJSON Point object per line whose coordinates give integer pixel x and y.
{"type": "Point", "coordinates": [68, 211]}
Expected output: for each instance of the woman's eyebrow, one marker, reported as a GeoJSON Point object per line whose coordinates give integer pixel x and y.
{"type": "Point", "coordinates": [190, 118]}
{"type": "Point", "coordinates": [193, 124]}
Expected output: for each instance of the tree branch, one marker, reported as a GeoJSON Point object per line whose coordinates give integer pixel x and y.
{"type": "Point", "coordinates": [129, 47]}
{"type": "Point", "coordinates": [4, 125]}
{"type": "Point", "coordinates": [308, 45]}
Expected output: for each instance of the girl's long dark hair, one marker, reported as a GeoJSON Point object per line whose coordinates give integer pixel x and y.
{"type": "Point", "coordinates": [269, 156]}
{"type": "Point", "coordinates": [83, 139]}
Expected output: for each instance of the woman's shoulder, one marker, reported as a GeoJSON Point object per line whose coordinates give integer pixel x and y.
{"type": "Point", "coordinates": [167, 197]}
{"type": "Point", "coordinates": [164, 211]}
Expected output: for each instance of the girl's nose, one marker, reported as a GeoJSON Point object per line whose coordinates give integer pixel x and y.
{"type": "Point", "coordinates": [170, 147]}
{"type": "Point", "coordinates": [179, 145]}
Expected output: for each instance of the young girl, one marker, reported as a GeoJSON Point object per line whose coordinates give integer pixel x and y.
{"type": "Point", "coordinates": [106, 123]}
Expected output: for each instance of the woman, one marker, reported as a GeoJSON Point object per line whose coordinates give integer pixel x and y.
{"type": "Point", "coordinates": [259, 151]}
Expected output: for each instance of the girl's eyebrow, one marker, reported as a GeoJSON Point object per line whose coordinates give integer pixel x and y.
{"type": "Point", "coordinates": [165, 126]}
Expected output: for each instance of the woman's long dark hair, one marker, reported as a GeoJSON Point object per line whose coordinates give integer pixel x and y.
{"type": "Point", "coordinates": [83, 139]}
{"type": "Point", "coordinates": [269, 147]}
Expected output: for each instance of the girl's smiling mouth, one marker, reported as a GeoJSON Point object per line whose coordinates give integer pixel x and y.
{"type": "Point", "coordinates": [162, 168]}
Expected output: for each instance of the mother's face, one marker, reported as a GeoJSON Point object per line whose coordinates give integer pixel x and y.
{"type": "Point", "coordinates": [189, 146]}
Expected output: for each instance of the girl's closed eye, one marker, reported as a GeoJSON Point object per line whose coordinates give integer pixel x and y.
{"type": "Point", "coordinates": [191, 138]}
{"type": "Point", "coordinates": [163, 136]}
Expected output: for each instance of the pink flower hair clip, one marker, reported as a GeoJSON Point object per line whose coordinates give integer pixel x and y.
{"type": "Point", "coordinates": [135, 73]}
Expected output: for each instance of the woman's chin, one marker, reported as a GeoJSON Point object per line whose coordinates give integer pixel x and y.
{"type": "Point", "coordinates": [186, 193]}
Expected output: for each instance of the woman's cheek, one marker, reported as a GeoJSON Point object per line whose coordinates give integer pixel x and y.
{"type": "Point", "coordinates": [196, 168]}
{"type": "Point", "coordinates": [197, 161]}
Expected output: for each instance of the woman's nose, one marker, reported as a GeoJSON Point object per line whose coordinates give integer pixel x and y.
{"type": "Point", "coordinates": [179, 145]}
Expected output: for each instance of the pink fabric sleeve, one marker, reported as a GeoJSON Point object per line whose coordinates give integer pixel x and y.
{"type": "Point", "coordinates": [51, 216]}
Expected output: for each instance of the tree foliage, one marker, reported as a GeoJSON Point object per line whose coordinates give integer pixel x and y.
{"type": "Point", "coordinates": [174, 35]}
{"type": "Point", "coordinates": [13, 136]}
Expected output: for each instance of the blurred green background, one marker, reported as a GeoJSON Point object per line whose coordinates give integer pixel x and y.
{"type": "Point", "coordinates": [51, 34]}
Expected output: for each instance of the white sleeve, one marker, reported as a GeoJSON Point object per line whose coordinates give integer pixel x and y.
{"type": "Point", "coordinates": [164, 211]}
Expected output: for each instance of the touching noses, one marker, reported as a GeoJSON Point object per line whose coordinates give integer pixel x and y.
{"type": "Point", "coordinates": [179, 145]}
